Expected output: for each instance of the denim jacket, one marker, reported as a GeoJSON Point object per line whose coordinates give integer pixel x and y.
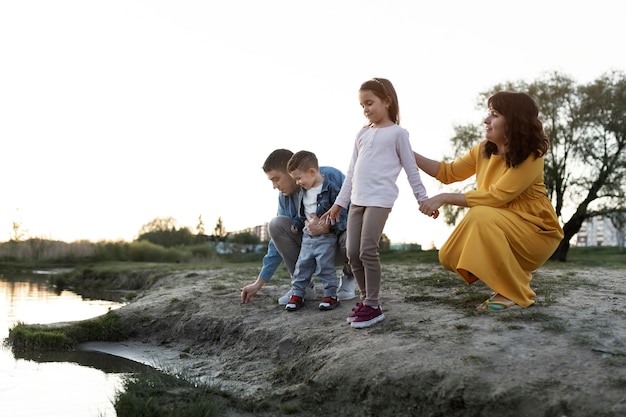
{"type": "Point", "coordinates": [325, 200]}
{"type": "Point", "coordinates": [288, 206]}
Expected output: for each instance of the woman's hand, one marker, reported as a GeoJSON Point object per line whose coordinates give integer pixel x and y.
{"type": "Point", "coordinates": [430, 206]}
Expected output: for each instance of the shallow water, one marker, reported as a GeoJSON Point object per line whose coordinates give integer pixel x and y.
{"type": "Point", "coordinates": [60, 383]}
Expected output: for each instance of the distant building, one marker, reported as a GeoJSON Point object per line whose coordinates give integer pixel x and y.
{"type": "Point", "coordinates": [262, 231]}
{"type": "Point", "coordinates": [600, 231]}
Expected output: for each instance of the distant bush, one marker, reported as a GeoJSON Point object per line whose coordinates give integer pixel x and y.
{"type": "Point", "coordinates": [144, 251]}
{"type": "Point", "coordinates": [111, 251]}
{"type": "Point", "coordinates": [202, 250]}
{"type": "Point", "coordinates": [37, 249]}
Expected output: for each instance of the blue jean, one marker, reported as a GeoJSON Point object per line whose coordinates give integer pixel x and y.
{"type": "Point", "coordinates": [317, 256]}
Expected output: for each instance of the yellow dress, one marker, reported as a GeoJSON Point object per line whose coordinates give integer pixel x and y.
{"type": "Point", "coordinates": [511, 228]}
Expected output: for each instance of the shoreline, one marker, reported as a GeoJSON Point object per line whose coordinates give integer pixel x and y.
{"type": "Point", "coordinates": [433, 351]}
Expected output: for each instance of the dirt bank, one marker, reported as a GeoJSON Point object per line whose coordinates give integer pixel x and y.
{"type": "Point", "coordinates": [434, 355]}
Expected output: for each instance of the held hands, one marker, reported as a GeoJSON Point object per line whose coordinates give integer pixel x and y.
{"type": "Point", "coordinates": [430, 206]}
{"type": "Point", "coordinates": [316, 226]}
{"type": "Point", "coordinates": [332, 215]}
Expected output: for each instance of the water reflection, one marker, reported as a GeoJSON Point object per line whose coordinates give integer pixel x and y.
{"type": "Point", "coordinates": [57, 383]}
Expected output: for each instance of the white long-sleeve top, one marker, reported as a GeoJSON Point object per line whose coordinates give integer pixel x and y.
{"type": "Point", "coordinates": [378, 156]}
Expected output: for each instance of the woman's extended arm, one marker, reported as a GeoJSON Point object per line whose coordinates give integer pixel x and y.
{"type": "Point", "coordinates": [429, 166]}
{"type": "Point", "coordinates": [431, 205]}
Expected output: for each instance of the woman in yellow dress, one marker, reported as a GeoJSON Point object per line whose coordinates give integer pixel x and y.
{"type": "Point", "coordinates": [511, 227]}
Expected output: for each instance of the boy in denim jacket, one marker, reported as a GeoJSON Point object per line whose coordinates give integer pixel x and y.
{"type": "Point", "coordinates": [317, 254]}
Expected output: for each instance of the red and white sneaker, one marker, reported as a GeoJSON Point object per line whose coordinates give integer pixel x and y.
{"type": "Point", "coordinates": [367, 316]}
{"type": "Point", "coordinates": [294, 303]}
{"type": "Point", "coordinates": [328, 303]}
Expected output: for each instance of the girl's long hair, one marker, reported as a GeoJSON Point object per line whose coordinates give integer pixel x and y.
{"type": "Point", "coordinates": [383, 89]}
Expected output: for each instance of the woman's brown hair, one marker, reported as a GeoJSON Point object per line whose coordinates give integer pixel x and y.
{"type": "Point", "coordinates": [523, 129]}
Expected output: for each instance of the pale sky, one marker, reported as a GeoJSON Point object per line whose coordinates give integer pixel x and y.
{"type": "Point", "coordinates": [113, 113]}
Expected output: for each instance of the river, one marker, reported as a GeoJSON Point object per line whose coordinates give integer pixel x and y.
{"type": "Point", "coordinates": [61, 383]}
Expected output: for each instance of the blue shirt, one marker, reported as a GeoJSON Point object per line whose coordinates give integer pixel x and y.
{"type": "Point", "coordinates": [288, 205]}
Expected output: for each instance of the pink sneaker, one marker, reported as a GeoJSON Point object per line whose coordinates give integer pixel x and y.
{"type": "Point", "coordinates": [355, 312]}
{"type": "Point", "coordinates": [367, 316]}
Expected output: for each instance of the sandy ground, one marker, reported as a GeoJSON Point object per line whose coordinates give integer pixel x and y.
{"type": "Point", "coordinates": [433, 355]}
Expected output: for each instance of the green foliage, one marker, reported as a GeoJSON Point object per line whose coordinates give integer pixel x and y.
{"type": "Point", "coordinates": [244, 238]}
{"type": "Point", "coordinates": [601, 256]}
{"type": "Point", "coordinates": [108, 327]}
{"type": "Point", "coordinates": [201, 250]}
{"type": "Point", "coordinates": [157, 394]}
{"type": "Point", "coordinates": [164, 232]}
{"type": "Point", "coordinates": [410, 256]}
{"type": "Point", "coordinates": [169, 238]}
{"type": "Point", "coordinates": [111, 251]}
{"type": "Point", "coordinates": [23, 338]}
{"type": "Point", "coordinates": [219, 231]}
{"type": "Point", "coordinates": [144, 251]}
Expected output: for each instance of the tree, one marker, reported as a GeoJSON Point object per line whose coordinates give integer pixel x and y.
{"type": "Point", "coordinates": [200, 226]}
{"type": "Point", "coordinates": [219, 231]}
{"type": "Point", "coordinates": [586, 163]}
{"type": "Point", "coordinates": [246, 237]}
{"type": "Point", "coordinates": [164, 232]}
{"type": "Point", "coordinates": [18, 233]}
{"type": "Point", "coordinates": [384, 243]}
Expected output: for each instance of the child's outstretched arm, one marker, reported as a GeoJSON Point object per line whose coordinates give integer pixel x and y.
{"type": "Point", "coordinates": [332, 215]}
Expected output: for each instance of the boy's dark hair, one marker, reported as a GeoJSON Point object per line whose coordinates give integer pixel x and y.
{"type": "Point", "coordinates": [302, 160]}
{"type": "Point", "coordinates": [277, 161]}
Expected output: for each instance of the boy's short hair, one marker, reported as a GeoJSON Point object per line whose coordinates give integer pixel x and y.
{"type": "Point", "coordinates": [277, 161]}
{"type": "Point", "coordinates": [302, 160]}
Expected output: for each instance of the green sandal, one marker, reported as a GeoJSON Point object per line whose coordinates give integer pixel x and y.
{"type": "Point", "coordinates": [497, 306]}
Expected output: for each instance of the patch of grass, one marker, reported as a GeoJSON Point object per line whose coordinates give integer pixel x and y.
{"type": "Point", "coordinates": [618, 382]}
{"type": "Point", "coordinates": [393, 325]}
{"type": "Point", "coordinates": [605, 257]}
{"type": "Point", "coordinates": [24, 338]}
{"type": "Point", "coordinates": [218, 286]}
{"type": "Point", "coordinates": [475, 359]}
{"type": "Point", "coordinates": [547, 322]}
{"type": "Point", "coordinates": [27, 337]}
{"type": "Point", "coordinates": [414, 256]}
{"type": "Point", "coordinates": [438, 279]}
{"type": "Point", "coordinates": [289, 408]}
{"type": "Point", "coordinates": [467, 300]}
{"type": "Point", "coordinates": [157, 394]}
{"type": "Point", "coordinates": [582, 339]}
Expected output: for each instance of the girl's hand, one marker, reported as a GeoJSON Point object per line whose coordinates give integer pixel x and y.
{"type": "Point", "coordinates": [332, 215]}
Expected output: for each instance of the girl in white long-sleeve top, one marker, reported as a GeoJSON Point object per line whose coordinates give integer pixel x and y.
{"type": "Point", "coordinates": [381, 150]}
